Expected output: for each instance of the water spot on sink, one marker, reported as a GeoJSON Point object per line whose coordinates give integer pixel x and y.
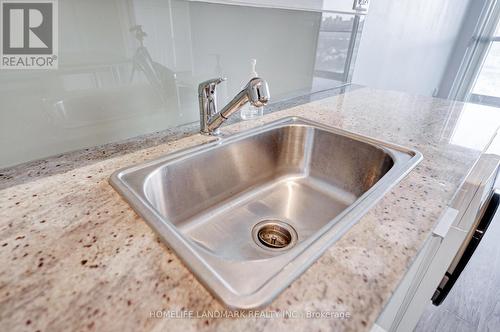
{"type": "Point", "coordinates": [259, 208]}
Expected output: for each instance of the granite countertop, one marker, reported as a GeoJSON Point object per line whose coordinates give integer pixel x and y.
{"type": "Point", "coordinates": [75, 256]}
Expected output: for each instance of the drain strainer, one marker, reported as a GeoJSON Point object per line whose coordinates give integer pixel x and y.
{"type": "Point", "coordinates": [274, 234]}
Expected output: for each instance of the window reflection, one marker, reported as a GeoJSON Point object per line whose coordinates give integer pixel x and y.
{"type": "Point", "coordinates": [338, 40]}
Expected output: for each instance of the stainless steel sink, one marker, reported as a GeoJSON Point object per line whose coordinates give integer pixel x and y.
{"type": "Point", "coordinates": [250, 212]}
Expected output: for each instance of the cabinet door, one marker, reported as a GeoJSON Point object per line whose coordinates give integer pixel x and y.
{"type": "Point", "coordinates": [401, 309]}
{"type": "Point", "coordinates": [431, 279]}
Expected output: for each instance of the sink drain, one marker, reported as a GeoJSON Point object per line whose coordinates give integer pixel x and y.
{"type": "Point", "coordinates": [274, 234]}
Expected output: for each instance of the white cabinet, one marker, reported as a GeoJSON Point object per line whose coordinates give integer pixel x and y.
{"type": "Point", "coordinates": [454, 228]}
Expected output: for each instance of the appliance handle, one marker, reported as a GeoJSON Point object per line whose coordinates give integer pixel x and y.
{"type": "Point", "coordinates": [449, 279]}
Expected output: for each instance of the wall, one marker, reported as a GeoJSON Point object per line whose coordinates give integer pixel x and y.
{"type": "Point", "coordinates": [106, 90]}
{"type": "Point", "coordinates": [406, 44]}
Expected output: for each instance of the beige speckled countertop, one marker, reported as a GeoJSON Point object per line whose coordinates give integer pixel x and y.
{"type": "Point", "coordinates": [76, 257]}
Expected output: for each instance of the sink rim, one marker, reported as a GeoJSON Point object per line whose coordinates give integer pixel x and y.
{"type": "Point", "coordinates": [303, 259]}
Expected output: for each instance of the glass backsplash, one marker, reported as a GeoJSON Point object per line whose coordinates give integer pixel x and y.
{"type": "Point", "coordinates": [132, 67]}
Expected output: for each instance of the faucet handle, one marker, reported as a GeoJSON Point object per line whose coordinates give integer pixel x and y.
{"type": "Point", "coordinates": [207, 97]}
{"type": "Point", "coordinates": [208, 87]}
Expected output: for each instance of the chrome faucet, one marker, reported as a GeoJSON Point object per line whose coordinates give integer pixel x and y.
{"type": "Point", "coordinates": [256, 92]}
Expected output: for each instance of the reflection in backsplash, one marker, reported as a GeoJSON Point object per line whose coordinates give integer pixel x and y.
{"type": "Point", "coordinates": [132, 67]}
{"type": "Point", "coordinates": [338, 41]}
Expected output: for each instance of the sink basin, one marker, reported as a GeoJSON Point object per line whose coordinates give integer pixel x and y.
{"type": "Point", "coordinates": [250, 212]}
